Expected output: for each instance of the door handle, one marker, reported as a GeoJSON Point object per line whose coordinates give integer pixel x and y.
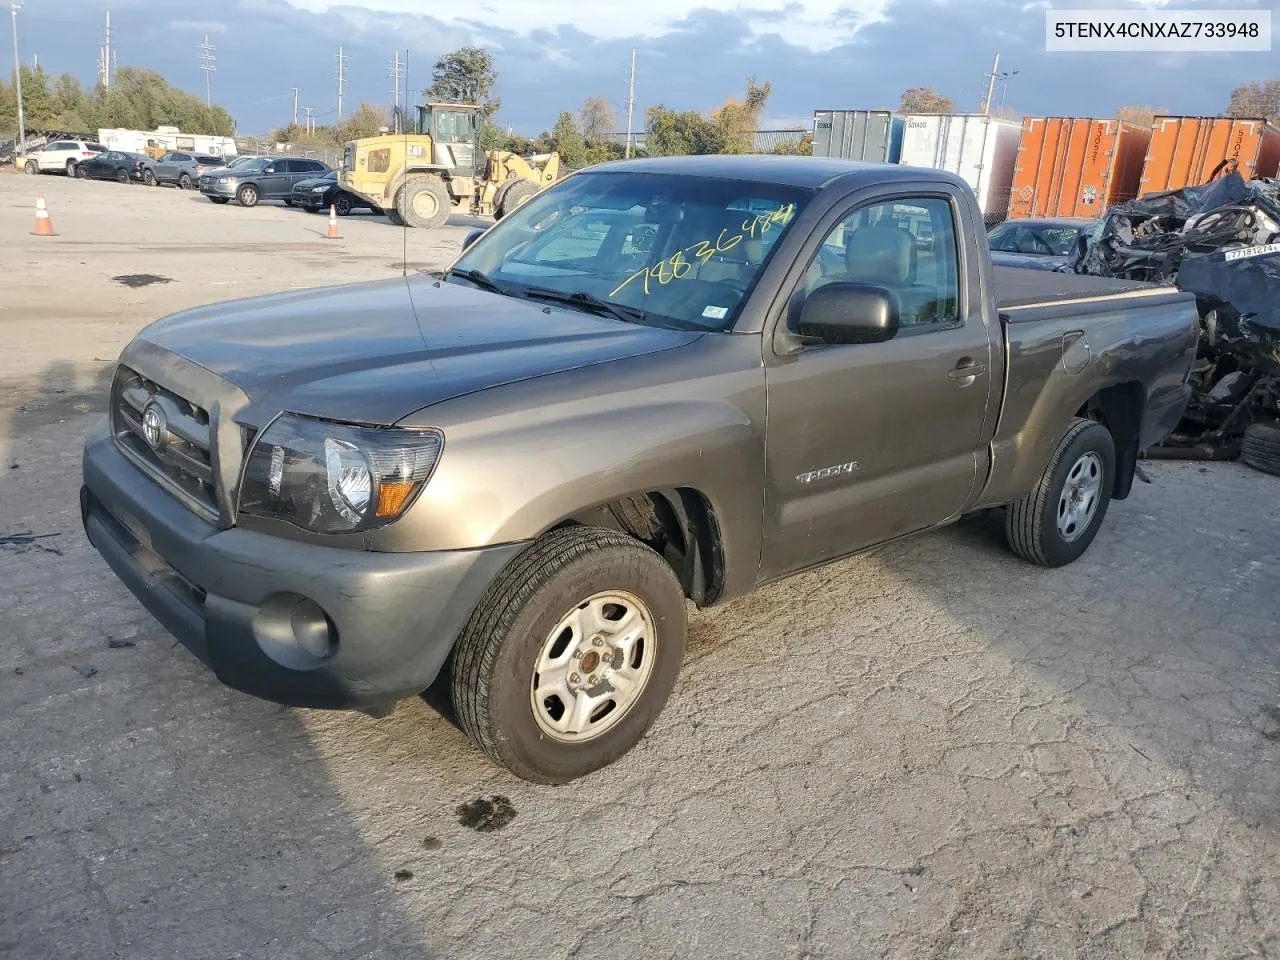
{"type": "Point", "coordinates": [967, 369]}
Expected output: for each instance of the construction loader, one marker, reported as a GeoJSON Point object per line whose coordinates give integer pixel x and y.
{"type": "Point", "coordinates": [437, 168]}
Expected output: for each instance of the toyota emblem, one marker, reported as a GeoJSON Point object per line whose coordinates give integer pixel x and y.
{"type": "Point", "coordinates": [155, 426]}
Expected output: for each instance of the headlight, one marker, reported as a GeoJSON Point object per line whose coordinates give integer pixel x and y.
{"type": "Point", "coordinates": [318, 189]}
{"type": "Point", "coordinates": [334, 478]}
{"type": "Point", "coordinates": [226, 179]}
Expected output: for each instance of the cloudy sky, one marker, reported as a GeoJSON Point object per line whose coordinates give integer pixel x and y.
{"type": "Point", "coordinates": [690, 53]}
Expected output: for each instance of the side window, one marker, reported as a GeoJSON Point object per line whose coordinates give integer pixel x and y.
{"type": "Point", "coordinates": [907, 245]}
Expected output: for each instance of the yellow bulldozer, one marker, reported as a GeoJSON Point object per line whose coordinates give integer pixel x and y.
{"type": "Point", "coordinates": [437, 168]}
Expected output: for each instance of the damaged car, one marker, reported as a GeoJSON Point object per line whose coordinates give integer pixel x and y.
{"type": "Point", "coordinates": [1220, 241]}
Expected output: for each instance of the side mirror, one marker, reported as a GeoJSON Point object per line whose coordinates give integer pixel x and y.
{"type": "Point", "coordinates": [270, 168]}
{"type": "Point", "coordinates": [844, 312]}
{"type": "Point", "coordinates": [472, 237]}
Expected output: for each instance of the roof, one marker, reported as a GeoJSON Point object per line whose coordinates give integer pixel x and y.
{"type": "Point", "coordinates": [791, 171]}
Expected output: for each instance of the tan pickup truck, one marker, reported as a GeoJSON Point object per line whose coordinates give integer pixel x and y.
{"type": "Point", "coordinates": [657, 382]}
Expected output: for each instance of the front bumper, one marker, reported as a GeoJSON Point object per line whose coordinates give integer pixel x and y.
{"type": "Point", "coordinates": [228, 594]}
{"type": "Point", "coordinates": [312, 201]}
{"type": "Point", "coordinates": [213, 188]}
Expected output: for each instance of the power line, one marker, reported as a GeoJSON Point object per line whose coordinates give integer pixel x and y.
{"type": "Point", "coordinates": [208, 65]}
{"type": "Point", "coordinates": [342, 76]}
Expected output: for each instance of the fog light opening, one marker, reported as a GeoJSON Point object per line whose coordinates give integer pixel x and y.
{"type": "Point", "coordinates": [295, 632]}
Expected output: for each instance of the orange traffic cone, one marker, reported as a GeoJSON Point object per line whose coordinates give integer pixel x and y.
{"type": "Point", "coordinates": [44, 226]}
{"type": "Point", "coordinates": [333, 224]}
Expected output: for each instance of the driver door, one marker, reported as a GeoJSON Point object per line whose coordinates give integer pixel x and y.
{"type": "Point", "coordinates": [274, 182]}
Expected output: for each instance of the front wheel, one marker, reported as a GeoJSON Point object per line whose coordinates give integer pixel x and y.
{"type": "Point", "coordinates": [184, 182]}
{"type": "Point", "coordinates": [425, 203]}
{"type": "Point", "coordinates": [571, 654]}
{"type": "Point", "coordinates": [1055, 523]}
{"type": "Point", "coordinates": [247, 196]}
{"type": "Point", "coordinates": [31, 167]}
{"type": "Point", "coordinates": [149, 177]}
{"type": "Point", "coordinates": [72, 169]}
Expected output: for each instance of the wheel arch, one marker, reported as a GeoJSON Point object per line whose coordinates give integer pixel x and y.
{"type": "Point", "coordinates": [679, 523]}
{"type": "Point", "coordinates": [1119, 408]}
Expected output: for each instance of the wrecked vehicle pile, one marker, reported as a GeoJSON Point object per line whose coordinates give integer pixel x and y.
{"type": "Point", "coordinates": [1220, 241]}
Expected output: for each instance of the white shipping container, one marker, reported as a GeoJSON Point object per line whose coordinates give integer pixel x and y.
{"type": "Point", "coordinates": [982, 151]}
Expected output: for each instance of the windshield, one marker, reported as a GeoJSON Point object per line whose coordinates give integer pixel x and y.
{"type": "Point", "coordinates": [684, 250]}
{"type": "Point", "coordinates": [253, 163]}
{"type": "Point", "coordinates": [1042, 239]}
{"type": "Point", "coordinates": [241, 161]}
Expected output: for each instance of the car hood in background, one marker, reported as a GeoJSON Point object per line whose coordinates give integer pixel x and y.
{"type": "Point", "coordinates": [376, 352]}
{"type": "Point", "coordinates": [1030, 261]}
{"type": "Point", "coordinates": [302, 186]}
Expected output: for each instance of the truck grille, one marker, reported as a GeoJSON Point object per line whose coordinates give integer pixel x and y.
{"type": "Point", "coordinates": [167, 436]}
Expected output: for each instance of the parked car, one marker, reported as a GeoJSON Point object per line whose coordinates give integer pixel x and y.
{"type": "Point", "coordinates": [629, 393]}
{"type": "Point", "coordinates": [1036, 244]}
{"type": "Point", "coordinates": [183, 169]}
{"type": "Point", "coordinates": [61, 156]}
{"type": "Point", "coordinates": [115, 165]}
{"type": "Point", "coordinates": [262, 178]}
{"type": "Point", "coordinates": [324, 191]}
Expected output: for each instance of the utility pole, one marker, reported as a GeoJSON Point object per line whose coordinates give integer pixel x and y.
{"type": "Point", "coordinates": [310, 111]}
{"type": "Point", "coordinates": [342, 76]}
{"type": "Point", "coordinates": [105, 56]}
{"type": "Point", "coordinates": [208, 65]}
{"type": "Point", "coordinates": [396, 68]}
{"type": "Point", "coordinates": [631, 101]}
{"type": "Point", "coordinates": [991, 86]}
{"type": "Point", "coordinates": [296, 91]}
{"type": "Point", "coordinates": [14, 7]}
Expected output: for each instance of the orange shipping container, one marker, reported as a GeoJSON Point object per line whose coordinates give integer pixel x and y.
{"type": "Point", "coordinates": [1187, 151]}
{"type": "Point", "coordinates": [1076, 166]}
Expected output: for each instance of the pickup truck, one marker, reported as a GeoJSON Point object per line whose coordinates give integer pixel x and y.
{"type": "Point", "coordinates": [659, 381]}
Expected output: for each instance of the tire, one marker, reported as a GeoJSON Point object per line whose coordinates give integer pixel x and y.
{"type": "Point", "coordinates": [122, 176]}
{"type": "Point", "coordinates": [394, 216]}
{"type": "Point", "coordinates": [311, 209]}
{"type": "Point", "coordinates": [247, 196]}
{"type": "Point", "coordinates": [72, 169]}
{"type": "Point", "coordinates": [515, 196]}
{"type": "Point", "coordinates": [521, 619]}
{"type": "Point", "coordinates": [425, 203]}
{"type": "Point", "coordinates": [288, 202]}
{"type": "Point", "coordinates": [1261, 448]}
{"type": "Point", "coordinates": [184, 181]}
{"type": "Point", "coordinates": [220, 200]}
{"type": "Point", "coordinates": [31, 168]}
{"type": "Point", "coordinates": [342, 204]}
{"type": "Point", "coordinates": [1055, 523]}
{"type": "Point", "coordinates": [149, 178]}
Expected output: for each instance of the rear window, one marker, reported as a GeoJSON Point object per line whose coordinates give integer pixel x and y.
{"type": "Point", "coordinates": [95, 147]}
{"type": "Point", "coordinates": [208, 159]}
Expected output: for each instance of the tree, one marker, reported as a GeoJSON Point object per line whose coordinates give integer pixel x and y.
{"type": "Point", "coordinates": [598, 120]}
{"type": "Point", "coordinates": [466, 75]}
{"type": "Point", "coordinates": [1142, 116]}
{"type": "Point", "coordinates": [566, 139]}
{"type": "Point", "coordinates": [738, 120]}
{"type": "Point", "coordinates": [1251, 100]}
{"type": "Point", "coordinates": [796, 148]}
{"type": "Point", "coordinates": [367, 121]}
{"type": "Point", "coordinates": [925, 100]}
{"type": "Point", "coordinates": [673, 134]}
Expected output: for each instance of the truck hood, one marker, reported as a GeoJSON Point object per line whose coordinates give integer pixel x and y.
{"type": "Point", "coordinates": [376, 352]}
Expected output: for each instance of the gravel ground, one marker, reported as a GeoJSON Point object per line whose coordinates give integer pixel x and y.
{"type": "Point", "coordinates": [932, 750]}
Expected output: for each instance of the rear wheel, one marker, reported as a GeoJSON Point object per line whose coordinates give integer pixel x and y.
{"type": "Point", "coordinates": [31, 167]}
{"type": "Point", "coordinates": [1055, 523]}
{"type": "Point", "coordinates": [184, 181]}
{"type": "Point", "coordinates": [122, 176]}
{"type": "Point", "coordinates": [515, 196]}
{"type": "Point", "coordinates": [1261, 449]}
{"type": "Point", "coordinates": [247, 196]}
{"type": "Point", "coordinates": [72, 169]}
{"type": "Point", "coordinates": [571, 655]}
{"type": "Point", "coordinates": [425, 203]}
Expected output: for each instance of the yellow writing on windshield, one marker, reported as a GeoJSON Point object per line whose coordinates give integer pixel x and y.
{"type": "Point", "coordinates": [678, 266]}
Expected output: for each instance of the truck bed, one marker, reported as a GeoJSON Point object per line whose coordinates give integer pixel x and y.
{"type": "Point", "coordinates": [1021, 289]}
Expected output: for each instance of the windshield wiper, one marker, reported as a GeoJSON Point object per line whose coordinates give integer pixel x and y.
{"type": "Point", "coordinates": [480, 280]}
{"type": "Point", "coordinates": [589, 300]}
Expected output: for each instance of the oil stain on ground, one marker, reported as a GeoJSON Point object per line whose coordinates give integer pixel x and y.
{"type": "Point", "coordinates": [486, 815]}
{"type": "Point", "coordinates": [141, 279]}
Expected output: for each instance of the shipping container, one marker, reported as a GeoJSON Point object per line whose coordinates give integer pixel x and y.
{"type": "Point", "coordinates": [981, 150]}
{"type": "Point", "coordinates": [874, 135]}
{"type": "Point", "coordinates": [1186, 151]}
{"type": "Point", "coordinates": [1076, 166]}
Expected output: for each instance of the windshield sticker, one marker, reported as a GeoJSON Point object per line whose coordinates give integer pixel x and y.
{"type": "Point", "coordinates": [678, 267]}
{"type": "Point", "coordinates": [1245, 253]}
{"type": "Point", "coordinates": [715, 313]}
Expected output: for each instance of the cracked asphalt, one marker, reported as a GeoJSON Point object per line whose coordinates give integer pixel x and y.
{"type": "Point", "coordinates": [931, 750]}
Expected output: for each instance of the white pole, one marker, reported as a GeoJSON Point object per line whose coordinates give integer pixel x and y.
{"type": "Point", "coordinates": [17, 79]}
{"type": "Point", "coordinates": [631, 101]}
{"type": "Point", "coordinates": [991, 85]}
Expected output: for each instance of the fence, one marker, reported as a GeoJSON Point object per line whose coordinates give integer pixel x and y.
{"type": "Point", "coordinates": [259, 146]}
